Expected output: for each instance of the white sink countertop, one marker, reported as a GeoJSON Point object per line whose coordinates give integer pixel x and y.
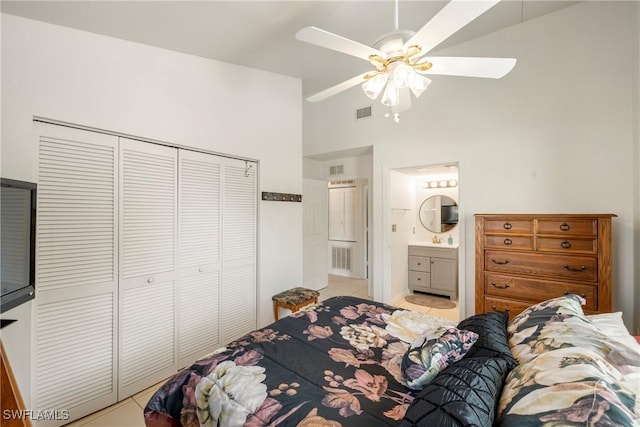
{"type": "Point", "coordinates": [435, 245]}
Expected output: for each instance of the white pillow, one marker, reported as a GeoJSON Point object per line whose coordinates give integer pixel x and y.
{"type": "Point", "coordinates": [613, 326]}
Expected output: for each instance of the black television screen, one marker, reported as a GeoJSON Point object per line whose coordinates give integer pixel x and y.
{"type": "Point", "coordinates": [449, 214]}
{"type": "Point", "coordinates": [17, 242]}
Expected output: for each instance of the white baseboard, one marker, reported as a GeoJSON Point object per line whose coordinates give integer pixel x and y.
{"type": "Point", "coordinates": [400, 298]}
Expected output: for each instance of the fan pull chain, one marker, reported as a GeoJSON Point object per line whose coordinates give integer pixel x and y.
{"type": "Point", "coordinates": [397, 26]}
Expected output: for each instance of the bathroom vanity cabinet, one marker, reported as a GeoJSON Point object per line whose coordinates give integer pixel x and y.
{"type": "Point", "coordinates": [433, 269]}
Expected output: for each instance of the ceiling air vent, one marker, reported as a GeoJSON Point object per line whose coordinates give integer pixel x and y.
{"type": "Point", "coordinates": [336, 170]}
{"type": "Point", "coordinates": [342, 183]}
{"type": "Point", "coordinates": [363, 113]}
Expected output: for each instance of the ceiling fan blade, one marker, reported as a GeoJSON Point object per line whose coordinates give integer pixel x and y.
{"type": "Point", "coordinates": [322, 95]}
{"type": "Point", "coordinates": [492, 68]}
{"type": "Point", "coordinates": [455, 15]}
{"type": "Point", "coordinates": [322, 38]}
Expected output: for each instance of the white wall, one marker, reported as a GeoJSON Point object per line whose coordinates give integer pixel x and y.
{"type": "Point", "coordinates": [111, 84]}
{"type": "Point", "coordinates": [555, 135]}
{"type": "Point", "coordinates": [355, 167]}
{"type": "Point", "coordinates": [636, 175]}
{"type": "Point", "coordinates": [403, 217]}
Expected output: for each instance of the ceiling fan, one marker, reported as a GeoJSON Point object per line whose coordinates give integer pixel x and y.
{"type": "Point", "coordinates": [398, 57]}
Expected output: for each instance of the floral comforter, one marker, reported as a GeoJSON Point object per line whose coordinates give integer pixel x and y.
{"type": "Point", "coordinates": [334, 365]}
{"type": "Point", "coordinates": [571, 372]}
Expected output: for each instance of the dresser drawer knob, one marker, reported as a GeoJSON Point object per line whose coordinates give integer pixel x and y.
{"type": "Point", "coordinates": [494, 308]}
{"type": "Point", "coordinates": [419, 263]}
{"type": "Point", "coordinates": [495, 285]}
{"type": "Point", "coordinates": [582, 268]}
{"type": "Point", "coordinates": [565, 227]}
{"type": "Point", "coordinates": [419, 279]}
{"type": "Point", "coordinates": [565, 244]}
{"type": "Point", "coordinates": [508, 242]}
{"type": "Point", "coordinates": [582, 295]}
{"type": "Point", "coordinates": [495, 261]}
{"type": "Point", "coordinates": [507, 226]}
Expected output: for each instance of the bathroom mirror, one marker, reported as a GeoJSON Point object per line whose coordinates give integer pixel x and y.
{"type": "Point", "coordinates": [438, 214]}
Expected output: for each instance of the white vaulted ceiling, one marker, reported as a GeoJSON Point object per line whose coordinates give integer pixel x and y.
{"type": "Point", "coordinates": [260, 34]}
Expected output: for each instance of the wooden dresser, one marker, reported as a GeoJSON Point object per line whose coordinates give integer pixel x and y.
{"type": "Point", "coordinates": [524, 259]}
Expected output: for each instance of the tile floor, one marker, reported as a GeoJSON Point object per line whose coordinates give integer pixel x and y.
{"type": "Point", "coordinates": [128, 413]}
{"type": "Point", "coordinates": [339, 285]}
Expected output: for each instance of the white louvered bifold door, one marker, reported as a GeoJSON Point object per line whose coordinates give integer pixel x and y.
{"type": "Point", "coordinates": [238, 249]}
{"type": "Point", "coordinates": [148, 272]}
{"type": "Point", "coordinates": [350, 211]}
{"type": "Point", "coordinates": [199, 193]}
{"type": "Point", "coordinates": [74, 313]}
{"type": "Point", "coordinates": [336, 214]}
{"type": "Point", "coordinates": [342, 213]}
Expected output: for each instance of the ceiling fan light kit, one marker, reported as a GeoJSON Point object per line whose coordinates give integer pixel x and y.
{"type": "Point", "coordinates": [398, 56]}
{"type": "Point", "coordinates": [374, 85]}
{"type": "Point", "coordinates": [396, 73]}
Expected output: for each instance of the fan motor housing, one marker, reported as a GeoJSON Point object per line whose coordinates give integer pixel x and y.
{"type": "Point", "coordinates": [391, 43]}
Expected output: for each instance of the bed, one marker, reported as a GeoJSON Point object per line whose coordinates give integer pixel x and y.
{"type": "Point", "coordinates": [354, 362]}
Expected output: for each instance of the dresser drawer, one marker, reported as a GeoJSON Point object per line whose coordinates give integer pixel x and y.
{"type": "Point", "coordinates": [419, 279]}
{"type": "Point", "coordinates": [574, 267]}
{"type": "Point", "coordinates": [518, 226]}
{"type": "Point", "coordinates": [419, 263]}
{"type": "Point", "coordinates": [537, 290]}
{"type": "Point", "coordinates": [568, 244]}
{"type": "Point", "coordinates": [512, 308]}
{"type": "Point", "coordinates": [524, 243]}
{"type": "Point", "coordinates": [573, 227]}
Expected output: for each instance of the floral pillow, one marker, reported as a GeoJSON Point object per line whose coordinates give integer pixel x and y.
{"type": "Point", "coordinates": [571, 372]}
{"type": "Point", "coordinates": [568, 305]}
{"type": "Point", "coordinates": [549, 323]}
{"type": "Point", "coordinates": [569, 386]}
{"type": "Point", "coordinates": [426, 358]}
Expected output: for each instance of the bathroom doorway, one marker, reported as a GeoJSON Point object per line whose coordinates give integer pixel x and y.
{"type": "Point", "coordinates": [425, 238]}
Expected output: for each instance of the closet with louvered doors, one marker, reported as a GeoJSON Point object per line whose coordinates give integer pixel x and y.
{"type": "Point", "coordinates": [148, 264]}
{"type": "Point", "coordinates": [200, 233]}
{"type": "Point", "coordinates": [217, 252]}
{"type": "Point", "coordinates": [239, 264]}
{"type": "Point", "coordinates": [74, 314]}
{"type": "Point", "coordinates": [145, 254]}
